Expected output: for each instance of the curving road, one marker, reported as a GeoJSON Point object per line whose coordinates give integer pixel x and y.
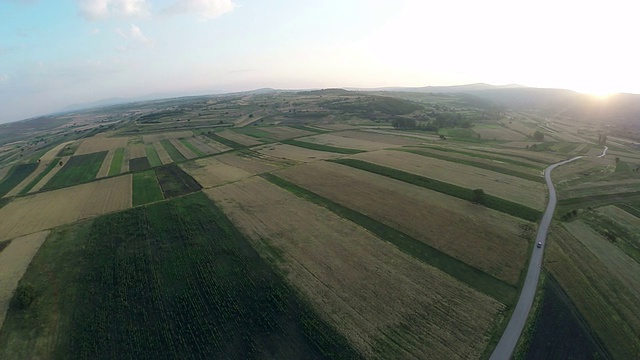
{"type": "Point", "coordinates": [507, 343]}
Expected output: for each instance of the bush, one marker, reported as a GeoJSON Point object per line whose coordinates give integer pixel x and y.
{"type": "Point", "coordinates": [24, 296]}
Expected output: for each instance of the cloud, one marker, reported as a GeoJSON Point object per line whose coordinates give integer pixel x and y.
{"type": "Point", "coordinates": [101, 9]}
{"type": "Point", "coordinates": [208, 9]}
{"type": "Point", "coordinates": [3, 78]}
{"type": "Point", "coordinates": [136, 39]}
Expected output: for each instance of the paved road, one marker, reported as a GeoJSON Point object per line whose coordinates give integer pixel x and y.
{"type": "Point", "coordinates": [507, 343]}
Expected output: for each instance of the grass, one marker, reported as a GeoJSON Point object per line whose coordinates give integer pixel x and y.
{"type": "Point", "coordinates": [490, 201]}
{"type": "Point", "coordinates": [459, 133]}
{"type": "Point", "coordinates": [116, 162]}
{"type": "Point", "coordinates": [175, 182]}
{"type": "Point", "coordinates": [139, 164]}
{"type": "Point", "coordinates": [40, 176]}
{"type": "Point", "coordinates": [68, 150]}
{"type": "Point", "coordinates": [4, 244]}
{"type": "Point", "coordinates": [469, 275]}
{"type": "Point", "coordinates": [321, 147]}
{"type": "Point", "coordinates": [79, 169]}
{"type": "Point", "coordinates": [631, 209]}
{"type": "Point", "coordinates": [224, 141]}
{"type": "Point", "coordinates": [152, 155]}
{"type": "Point", "coordinates": [308, 128]}
{"type": "Point", "coordinates": [166, 280]}
{"type": "Point", "coordinates": [190, 146]}
{"type": "Point", "coordinates": [480, 165]}
{"type": "Point", "coordinates": [146, 188]}
{"type": "Point", "coordinates": [622, 166]}
{"type": "Point", "coordinates": [15, 176]}
{"type": "Point", "coordinates": [256, 133]}
{"type": "Point", "coordinates": [175, 155]}
{"type": "Point", "coordinates": [597, 200]}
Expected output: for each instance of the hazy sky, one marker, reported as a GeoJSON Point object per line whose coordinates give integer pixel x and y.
{"type": "Point", "coordinates": [54, 53]}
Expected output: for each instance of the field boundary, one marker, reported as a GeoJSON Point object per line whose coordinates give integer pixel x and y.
{"type": "Point", "coordinates": [320, 147]}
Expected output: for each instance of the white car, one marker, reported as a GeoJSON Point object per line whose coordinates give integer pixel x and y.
{"type": "Point", "coordinates": [539, 244]}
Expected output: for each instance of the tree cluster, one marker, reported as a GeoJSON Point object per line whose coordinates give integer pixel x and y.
{"type": "Point", "coordinates": [538, 135]}
{"type": "Point", "coordinates": [602, 139]}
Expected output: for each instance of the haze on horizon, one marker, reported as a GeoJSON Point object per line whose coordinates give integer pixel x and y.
{"type": "Point", "coordinates": [54, 54]}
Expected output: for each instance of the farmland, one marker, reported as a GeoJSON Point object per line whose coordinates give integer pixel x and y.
{"type": "Point", "coordinates": [315, 224]}
{"type": "Point", "coordinates": [382, 300]}
{"type": "Point", "coordinates": [183, 294]}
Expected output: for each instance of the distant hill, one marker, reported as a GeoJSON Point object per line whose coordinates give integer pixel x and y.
{"type": "Point", "coordinates": [451, 89]}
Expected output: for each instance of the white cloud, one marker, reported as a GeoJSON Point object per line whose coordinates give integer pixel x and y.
{"type": "Point", "coordinates": [135, 38]}
{"type": "Point", "coordinates": [208, 9]}
{"type": "Point", "coordinates": [3, 78]}
{"type": "Point", "coordinates": [100, 9]}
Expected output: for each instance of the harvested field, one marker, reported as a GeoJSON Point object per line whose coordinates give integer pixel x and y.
{"type": "Point", "coordinates": [336, 127]}
{"type": "Point", "coordinates": [239, 138]}
{"type": "Point", "coordinates": [285, 132]}
{"type": "Point", "coordinates": [348, 143]}
{"type": "Point", "coordinates": [251, 163]}
{"type": "Point", "coordinates": [389, 138]}
{"type": "Point", "coordinates": [14, 260]}
{"type": "Point", "coordinates": [455, 227]}
{"type": "Point", "coordinates": [126, 157]}
{"type": "Point", "coordinates": [212, 172]}
{"type": "Point", "coordinates": [53, 153]}
{"type": "Point", "coordinates": [604, 300]}
{"type": "Point", "coordinates": [598, 187]}
{"type": "Point", "coordinates": [188, 154]}
{"type": "Point", "coordinates": [385, 302]}
{"type": "Point", "coordinates": [518, 190]}
{"type": "Point", "coordinates": [202, 146]}
{"type": "Point", "coordinates": [294, 153]}
{"type": "Point", "coordinates": [49, 209]}
{"type": "Point", "coordinates": [153, 138]}
{"type": "Point", "coordinates": [49, 175]}
{"type": "Point", "coordinates": [136, 151]}
{"type": "Point", "coordinates": [106, 164]}
{"type": "Point", "coordinates": [218, 147]}
{"type": "Point", "coordinates": [583, 169]}
{"type": "Point", "coordinates": [415, 135]}
{"type": "Point", "coordinates": [621, 216]}
{"type": "Point", "coordinates": [544, 157]}
{"type": "Point", "coordinates": [98, 144]}
{"type": "Point", "coordinates": [498, 133]}
{"type": "Point", "coordinates": [4, 171]}
{"type": "Point", "coordinates": [162, 153]}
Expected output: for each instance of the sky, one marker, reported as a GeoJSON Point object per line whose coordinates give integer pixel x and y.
{"type": "Point", "coordinates": [56, 53]}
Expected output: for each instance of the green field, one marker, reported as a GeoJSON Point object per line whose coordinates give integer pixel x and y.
{"type": "Point", "coordinates": [622, 166]}
{"type": "Point", "coordinates": [146, 188]}
{"type": "Point", "coordinates": [469, 275]}
{"type": "Point", "coordinates": [152, 155]}
{"type": "Point", "coordinates": [256, 133]}
{"type": "Point", "coordinates": [175, 182]}
{"type": "Point", "coordinates": [68, 150]}
{"type": "Point", "coordinates": [15, 176]}
{"type": "Point", "coordinates": [492, 202]}
{"type": "Point", "coordinates": [139, 164]}
{"type": "Point", "coordinates": [320, 147]}
{"type": "Point", "coordinates": [79, 169]}
{"type": "Point", "coordinates": [116, 163]}
{"type": "Point", "coordinates": [169, 280]}
{"type": "Point", "coordinates": [175, 155]}
{"type": "Point", "coordinates": [190, 146]}
{"type": "Point", "coordinates": [55, 162]}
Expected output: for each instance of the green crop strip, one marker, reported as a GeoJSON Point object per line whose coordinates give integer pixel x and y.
{"type": "Point", "coordinates": [175, 155]}
{"type": "Point", "coordinates": [40, 176]}
{"type": "Point", "coordinates": [469, 275]}
{"type": "Point", "coordinates": [116, 163]}
{"type": "Point", "coordinates": [321, 147]}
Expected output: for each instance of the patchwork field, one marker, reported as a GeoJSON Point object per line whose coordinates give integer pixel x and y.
{"type": "Point", "coordinates": [253, 162]}
{"type": "Point", "coordinates": [285, 132]}
{"type": "Point", "coordinates": [210, 172]}
{"type": "Point", "coordinates": [16, 175]}
{"type": "Point", "coordinates": [46, 210]}
{"type": "Point", "coordinates": [456, 227]}
{"type": "Point", "coordinates": [14, 260]}
{"type": "Point", "coordinates": [162, 153]}
{"type": "Point", "coordinates": [348, 142]}
{"type": "Point", "coordinates": [294, 153]}
{"type": "Point", "coordinates": [106, 165]}
{"type": "Point", "coordinates": [216, 146]}
{"type": "Point", "coordinates": [382, 300]}
{"type": "Point", "coordinates": [518, 190]}
{"type": "Point", "coordinates": [153, 138]}
{"type": "Point", "coordinates": [498, 133]}
{"type": "Point", "coordinates": [185, 151]}
{"type": "Point", "coordinates": [78, 169]}
{"type": "Point", "coordinates": [45, 179]}
{"type": "Point", "coordinates": [239, 138]}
